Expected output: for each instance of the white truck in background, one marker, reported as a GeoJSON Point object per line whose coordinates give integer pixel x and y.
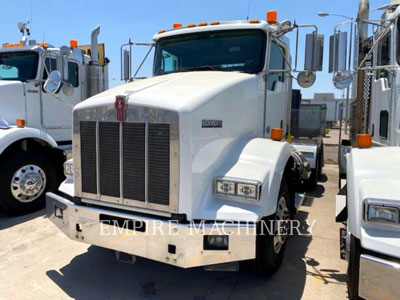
{"type": "Point", "coordinates": [35, 125]}
{"type": "Point", "coordinates": [368, 203]}
{"type": "Point", "coordinates": [200, 145]}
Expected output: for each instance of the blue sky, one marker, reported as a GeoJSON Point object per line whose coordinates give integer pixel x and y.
{"type": "Point", "coordinates": [59, 21]}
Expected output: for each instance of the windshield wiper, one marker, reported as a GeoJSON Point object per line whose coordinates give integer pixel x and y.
{"type": "Point", "coordinates": [201, 68]}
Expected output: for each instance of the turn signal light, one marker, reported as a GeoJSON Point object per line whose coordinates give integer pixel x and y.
{"type": "Point", "coordinates": [364, 140]}
{"type": "Point", "coordinates": [277, 134]}
{"type": "Point", "coordinates": [73, 43]}
{"type": "Point", "coordinates": [177, 25]}
{"type": "Point", "coordinates": [21, 123]}
{"type": "Point", "coordinates": [272, 16]}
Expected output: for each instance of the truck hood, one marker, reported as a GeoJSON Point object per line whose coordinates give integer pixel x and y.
{"type": "Point", "coordinates": [12, 100]}
{"type": "Point", "coordinates": [178, 92]}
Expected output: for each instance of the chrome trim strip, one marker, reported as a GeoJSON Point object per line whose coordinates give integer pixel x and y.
{"type": "Point", "coordinates": [121, 162]}
{"type": "Point", "coordinates": [146, 162]}
{"type": "Point", "coordinates": [98, 158]}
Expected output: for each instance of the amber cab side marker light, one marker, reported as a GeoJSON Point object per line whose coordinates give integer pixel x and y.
{"type": "Point", "coordinates": [161, 31]}
{"type": "Point", "coordinates": [254, 21]}
{"type": "Point", "coordinates": [177, 25]}
{"type": "Point", "coordinates": [191, 25]}
{"type": "Point", "coordinates": [73, 43]}
{"type": "Point", "coordinates": [44, 44]}
{"type": "Point", "coordinates": [272, 16]}
{"type": "Point", "coordinates": [214, 23]}
{"type": "Point", "coordinates": [21, 123]}
{"type": "Point", "coordinates": [364, 141]}
{"type": "Point", "coordinates": [13, 45]}
{"type": "Point", "coordinates": [277, 134]}
{"type": "Point", "coordinates": [203, 24]}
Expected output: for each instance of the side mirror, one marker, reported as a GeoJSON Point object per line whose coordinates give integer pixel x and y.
{"type": "Point", "coordinates": [314, 52]}
{"type": "Point", "coordinates": [53, 82]}
{"type": "Point", "coordinates": [126, 67]}
{"type": "Point", "coordinates": [337, 52]}
{"type": "Point", "coordinates": [342, 80]}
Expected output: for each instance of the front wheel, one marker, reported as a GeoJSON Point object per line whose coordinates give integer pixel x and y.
{"type": "Point", "coordinates": [353, 268]}
{"type": "Point", "coordinates": [24, 180]}
{"type": "Point", "coordinates": [272, 233]}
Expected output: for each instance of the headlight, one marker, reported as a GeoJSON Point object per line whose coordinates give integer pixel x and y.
{"type": "Point", "coordinates": [236, 188]}
{"type": "Point", "coordinates": [68, 168]}
{"type": "Point", "coordinates": [382, 213]}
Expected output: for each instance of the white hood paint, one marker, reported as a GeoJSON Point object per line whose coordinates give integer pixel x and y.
{"type": "Point", "coordinates": [12, 101]}
{"type": "Point", "coordinates": [178, 92]}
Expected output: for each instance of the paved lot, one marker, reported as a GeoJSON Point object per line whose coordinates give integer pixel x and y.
{"type": "Point", "coordinates": [39, 262]}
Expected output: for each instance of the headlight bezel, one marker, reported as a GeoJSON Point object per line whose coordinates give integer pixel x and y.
{"type": "Point", "coordinates": [236, 195]}
{"type": "Point", "coordinates": [382, 204]}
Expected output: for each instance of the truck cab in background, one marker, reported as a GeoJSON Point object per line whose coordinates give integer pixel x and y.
{"type": "Point", "coordinates": [187, 167]}
{"type": "Point", "coordinates": [35, 126]}
{"type": "Point", "coordinates": [368, 203]}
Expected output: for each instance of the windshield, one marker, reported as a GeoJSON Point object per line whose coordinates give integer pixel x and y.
{"type": "Point", "coordinates": [20, 66]}
{"type": "Point", "coordinates": [239, 50]}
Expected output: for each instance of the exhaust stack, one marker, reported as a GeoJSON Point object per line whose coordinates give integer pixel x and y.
{"type": "Point", "coordinates": [363, 14]}
{"type": "Point", "coordinates": [94, 45]}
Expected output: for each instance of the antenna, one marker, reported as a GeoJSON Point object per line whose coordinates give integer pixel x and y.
{"type": "Point", "coordinates": [248, 10]}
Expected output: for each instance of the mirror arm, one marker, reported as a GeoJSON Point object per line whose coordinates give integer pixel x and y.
{"type": "Point", "coordinates": [144, 59]}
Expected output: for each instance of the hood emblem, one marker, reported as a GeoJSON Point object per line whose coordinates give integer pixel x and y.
{"type": "Point", "coordinates": [120, 105]}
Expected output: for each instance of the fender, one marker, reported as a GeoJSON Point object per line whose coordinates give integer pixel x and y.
{"type": "Point", "coordinates": [260, 160]}
{"type": "Point", "coordinates": [373, 174]}
{"type": "Point", "coordinates": [13, 134]}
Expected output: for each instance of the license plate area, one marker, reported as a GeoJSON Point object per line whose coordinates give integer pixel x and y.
{"type": "Point", "coordinates": [124, 223]}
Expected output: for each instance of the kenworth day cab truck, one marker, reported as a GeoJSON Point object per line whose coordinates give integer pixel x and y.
{"type": "Point", "coordinates": [369, 200]}
{"type": "Point", "coordinates": [36, 125]}
{"type": "Point", "coordinates": [199, 145]}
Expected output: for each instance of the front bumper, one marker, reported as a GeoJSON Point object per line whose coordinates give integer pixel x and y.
{"type": "Point", "coordinates": [165, 241]}
{"type": "Point", "coordinates": [379, 278]}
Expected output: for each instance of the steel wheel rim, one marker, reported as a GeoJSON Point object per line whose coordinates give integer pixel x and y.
{"type": "Point", "coordinates": [28, 183]}
{"type": "Point", "coordinates": [281, 224]}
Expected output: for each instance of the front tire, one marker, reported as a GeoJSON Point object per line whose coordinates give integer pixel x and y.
{"type": "Point", "coordinates": [24, 180]}
{"type": "Point", "coordinates": [271, 244]}
{"type": "Point", "coordinates": [353, 268]}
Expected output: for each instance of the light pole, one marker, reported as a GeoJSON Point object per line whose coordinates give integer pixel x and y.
{"type": "Point", "coordinates": [347, 114]}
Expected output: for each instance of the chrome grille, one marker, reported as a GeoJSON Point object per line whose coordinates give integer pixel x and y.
{"type": "Point", "coordinates": [144, 182]}
{"type": "Point", "coordinates": [133, 163]}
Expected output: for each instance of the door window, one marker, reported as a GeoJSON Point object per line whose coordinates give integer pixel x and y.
{"type": "Point", "coordinates": [383, 57]}
{"type": "Point", "coordinates": [276, 62]}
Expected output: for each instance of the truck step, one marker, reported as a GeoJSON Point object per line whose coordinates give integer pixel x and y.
{"type": "Point", "coordinates": [125, 257]}
{"type": "Point", "coordinates": [227, 267]}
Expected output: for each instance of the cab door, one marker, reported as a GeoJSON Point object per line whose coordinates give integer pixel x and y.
{"type": "Point", "coordinates": [277, 92]}
{"type": "Point", "coordinates": [382, 85]}
{"type": "Point", "coordinates": [57, 115]}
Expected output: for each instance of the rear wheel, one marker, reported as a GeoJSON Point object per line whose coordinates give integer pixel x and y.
{"type": "Point", "coordinates": [272, 234]}
{"type": "Point", "coordinates": [24, 180]}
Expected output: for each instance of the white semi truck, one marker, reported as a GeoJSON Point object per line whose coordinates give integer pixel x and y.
{"type": "Point", "coordinates": [186, 167]}
{"type": "Point", "coordinates": [369, 200]}
{"type": "Point", "coordinates": [35, 125]}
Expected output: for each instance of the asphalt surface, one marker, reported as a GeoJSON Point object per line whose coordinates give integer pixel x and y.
{"type": "Point", "coordinates": [38, 262]}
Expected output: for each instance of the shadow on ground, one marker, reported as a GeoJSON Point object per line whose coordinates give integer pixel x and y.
{"type": "Point", "coordinates": [7, 221]}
